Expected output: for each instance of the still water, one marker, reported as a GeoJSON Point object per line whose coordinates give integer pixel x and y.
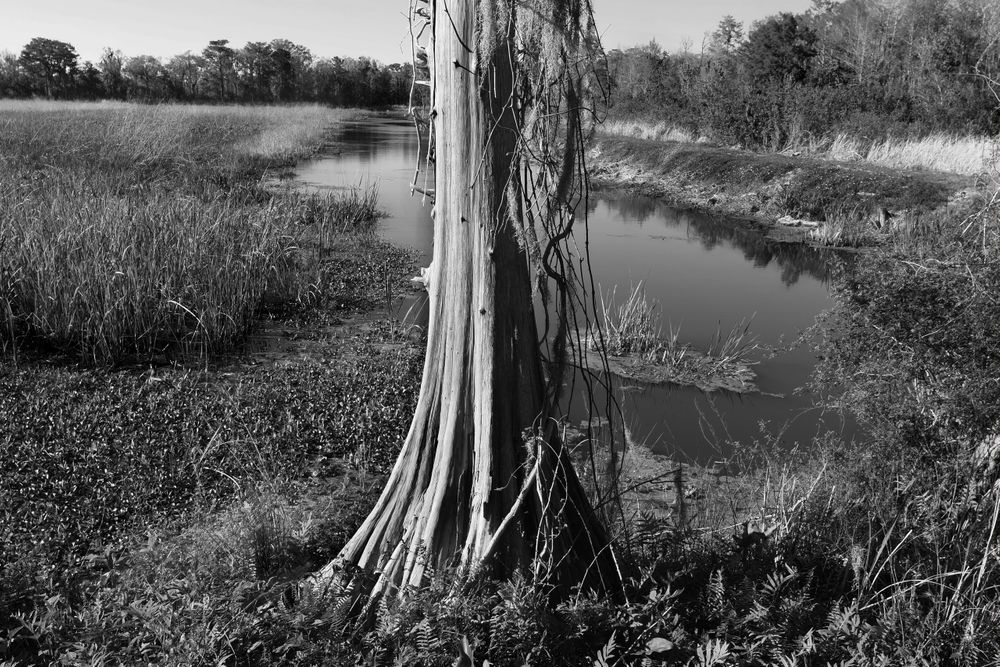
{"type": "Point", "coordinates": [705, 273]}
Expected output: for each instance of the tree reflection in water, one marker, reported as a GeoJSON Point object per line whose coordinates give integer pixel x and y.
{"type": "Point", "coordinates": [794, 259]}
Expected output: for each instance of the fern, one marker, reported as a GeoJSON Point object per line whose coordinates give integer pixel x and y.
{"type": "Point", "coordinates": [715, 593]}
{"type": "Point", "coordinates": [713, 652]}
{"type": "Point", "coordinates": [605, 655]}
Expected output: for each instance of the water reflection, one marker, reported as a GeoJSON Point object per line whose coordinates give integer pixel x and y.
{"type": "Point", "coordinates": [706, 274]}
{"type": "Point", "coordinates": [792, 259]}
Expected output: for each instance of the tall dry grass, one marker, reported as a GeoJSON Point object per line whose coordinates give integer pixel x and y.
{"type": "Point", "coordinates": [632, 325]}
{"type": "Point", "coordinates": [959, 154]}
{"type": "Point", "coordinates": [659, 131]}
{"type": "Point", "coordinates": [131, 231]}
{"type": "Point", "coordinates": [969, 154]}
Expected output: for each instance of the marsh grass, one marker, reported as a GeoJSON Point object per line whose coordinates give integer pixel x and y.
{"type": "Point", "coordinates": [852, 225]}
{"type": "Point", "coordinates": [959, 154]}
{"type": "Point", "coordinates": [659, 131]}
{"type": "Point", "coordinates": [847, 227]}
{"type": "Point", "coordinates": [130, 233]}
{"type": "Point", "coordinates": [969, 154]}
{"type": "Point", "coordinates": [735, 346]}
{"type": "Point", "coordinates": [632, 326]}
{"type": "Point", "coordinates": [912, 590]}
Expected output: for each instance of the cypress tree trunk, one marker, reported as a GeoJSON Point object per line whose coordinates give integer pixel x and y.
{"type": "Point", "coordinates": [469, 488]}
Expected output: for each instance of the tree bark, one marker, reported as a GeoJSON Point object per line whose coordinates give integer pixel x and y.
{"type": "Point", "coordinates": [469, 489]}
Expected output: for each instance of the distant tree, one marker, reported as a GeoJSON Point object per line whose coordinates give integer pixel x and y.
{"type": "Point", "coordinates": [636, 70]}
{"type": "Point", "coordinates": [284, 79]}
{"type": "Point", "coordinates": [779, 47]}
{"type": "Point", "coordinates": [254, 70]}
{"type": "Point", "coordinates": [185, 72]}
{"type": "Point", "coordinates": [328, 74]}
{"type": "Point", "coordinates": [257, 72]}
{"type": "Point", "coordinates": [727, 37]}
{"type": "Point", "coordinates": [50, 64]}
{"type": "Point", "coordinates": [146, 79]}
{"type": "Point", "coordinates": [12, 82]}
{"type": "Point", "coordinates": [399, 75]}
{"type": "Point", "coordinates": [292, 68]}
{"type": "Point", "coordinates": [112, 76]}
{"type": "Point", "coordinates": [88, 82]}
{"type": "Point", "coordinates": [220, 59]}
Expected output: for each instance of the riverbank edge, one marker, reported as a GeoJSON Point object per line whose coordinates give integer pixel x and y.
{"type": "Point", "coordinates": [758, 190]}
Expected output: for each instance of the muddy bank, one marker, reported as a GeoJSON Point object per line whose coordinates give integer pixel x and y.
{"type": "Point", "coordinates": [760, 189]}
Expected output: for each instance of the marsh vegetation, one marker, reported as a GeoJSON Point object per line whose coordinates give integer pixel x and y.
{"type": "Point", "coordinates": [140, 233]}
{"type": "Point", "coordinates": [636, 347]}
{"type": "Point", "coordinates": [180, 507]}
{"type": "Point", "coordinates": [167, 302]}
{"type": "Point", "coordinates": [199, 403]}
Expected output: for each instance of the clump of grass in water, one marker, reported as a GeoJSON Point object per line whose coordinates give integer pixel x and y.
{"type": "Point", "coordinates": [633, 328]}
{"type": "Point", "coordinates": [737, 346]}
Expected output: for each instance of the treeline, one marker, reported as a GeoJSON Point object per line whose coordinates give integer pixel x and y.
{"type": "Point", "coordinates": [870, 68]}
{"type": "Point", "coordinates": [259, 72]}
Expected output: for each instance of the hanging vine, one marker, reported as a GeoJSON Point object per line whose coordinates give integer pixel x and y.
{"type": "Point", "coordinates": [558, 89]}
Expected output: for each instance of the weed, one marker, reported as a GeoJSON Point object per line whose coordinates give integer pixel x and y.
{"type": "Point", "coordinates": [632, 326]}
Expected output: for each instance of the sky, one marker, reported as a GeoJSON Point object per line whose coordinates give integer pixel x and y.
{"type": "Point", "coordinates": [375, 28]}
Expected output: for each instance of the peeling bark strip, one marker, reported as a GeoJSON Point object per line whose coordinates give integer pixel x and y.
{"type": "Point", "coordinates": [468, 490]}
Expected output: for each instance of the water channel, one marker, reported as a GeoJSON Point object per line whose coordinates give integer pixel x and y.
{"type": "Point", "coordinates": [706, 273]}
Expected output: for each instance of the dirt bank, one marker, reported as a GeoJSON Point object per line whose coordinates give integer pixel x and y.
{"type": "Point", "coordinates": [762, 188]}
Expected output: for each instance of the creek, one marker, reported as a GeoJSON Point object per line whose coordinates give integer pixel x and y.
{"type": "Point", "coordinates": [708, 274]}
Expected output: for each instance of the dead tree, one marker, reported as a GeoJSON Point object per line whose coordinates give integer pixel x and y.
{"type": "Point", "coordinates": [483, 482]}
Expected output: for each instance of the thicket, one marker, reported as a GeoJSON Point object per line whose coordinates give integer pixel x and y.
{"type": "Point", "coordinates": [865, 69]}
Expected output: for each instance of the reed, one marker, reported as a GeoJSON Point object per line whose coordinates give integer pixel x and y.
{"type": "Point", "coordinates": [970, 155]}
{"type": "Point", "coordinates": [735, 346]}
{"type": "Point", "coordinates": [843, 231]}
{"type": "Point", "coordinates": [129, 233]}
{"type": "Point", "coordinates": [658, 131]}
{"type": "Point", "coordinates": [631, 326]}
{"type": "Point", "coordinates": [960, 154]}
